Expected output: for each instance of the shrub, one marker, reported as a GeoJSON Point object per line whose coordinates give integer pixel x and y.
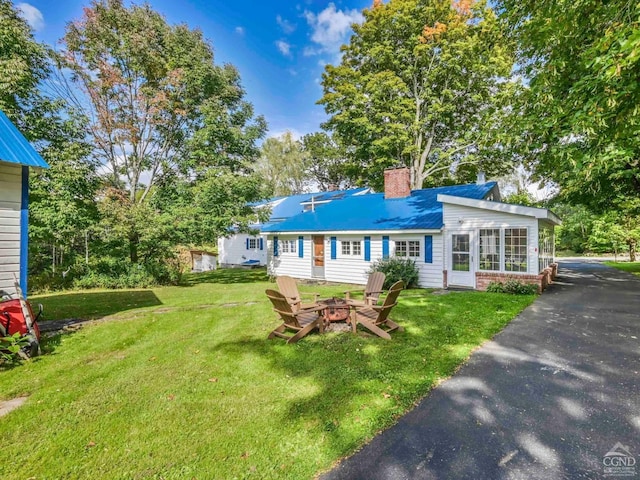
{"type": "Point", "coordinates": [11, 348]}
{"type": "Point", "coordinates": [134, 278]}
{"type": "Point", "coordinates": [513, 287]}
{"type": "Point", "coordinates": [397, 269]}
{"type": "Point", "coordinates": [495, 287]}
{"type": "Point", "coordinates": [109, 272]}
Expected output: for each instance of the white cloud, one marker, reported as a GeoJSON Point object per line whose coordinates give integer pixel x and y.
{"type": "Point", "coordinates": [32, 15]}
{"type": "Point", "coordinates": [239, 31]}
{"type": "Point", "coordinates": [311, 51]}
{"type": "Point", "coordinates": [331, 27]}
{"type": "Point", "coordinates": [286, 26]}
{"type": "Point", "coordinates": [284, 47]}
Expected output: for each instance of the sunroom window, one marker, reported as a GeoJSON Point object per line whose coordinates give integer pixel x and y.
{"type": "Point", "coordinates": [515, 249]}
{"type": "Point", "coordinates": [489, 249]}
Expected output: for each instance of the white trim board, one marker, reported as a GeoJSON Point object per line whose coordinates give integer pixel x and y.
{"type": "Point", "coordinates": [539, 213]}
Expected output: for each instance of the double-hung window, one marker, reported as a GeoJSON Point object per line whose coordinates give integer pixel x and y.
{"type": "Point", "coordinates": [351, 248]}
{"type": "Point", "coordinates": [407, 248]}
{"type": "Point", "coordinates": [288, 246]}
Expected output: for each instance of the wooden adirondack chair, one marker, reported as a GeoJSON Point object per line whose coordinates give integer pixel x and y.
{"type": "Point", "coordinates": [289, 288]}
{"type": "Point", "coordinates": [375, 318]}
{"type": "Point", "coordinates": [302, 321]}
{"type": "Point", "coordinates": [372, 291]}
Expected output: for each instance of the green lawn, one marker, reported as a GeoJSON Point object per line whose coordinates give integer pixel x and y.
{"type": "Point", "coordinates": [631, 267]}
{"type": "Point", "coordinates": [182, 382]}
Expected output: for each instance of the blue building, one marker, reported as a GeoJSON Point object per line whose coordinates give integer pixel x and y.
{"type": "Point", "coordinates": [16, 157]}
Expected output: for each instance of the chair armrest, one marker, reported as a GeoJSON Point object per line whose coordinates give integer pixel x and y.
{"type": "Point", "coordinates": [315, 296]}
{"type": "Point", "coordinates": [377, 308]}
{"type": "Point", "coordinates": [317, 308]}
{"type": "Point", "coordinates": [349, 292]}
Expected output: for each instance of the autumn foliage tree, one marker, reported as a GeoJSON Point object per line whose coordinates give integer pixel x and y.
{"type": "Point", "coordinates": [419, 85]}
{"type": "Point", "coordinates": [158, 106]}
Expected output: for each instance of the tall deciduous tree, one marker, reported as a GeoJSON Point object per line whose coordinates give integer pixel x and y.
{"type": "Point", "coordinates": [62, 197]}
{"type": "Point", "coordinates": [282, 164]}
{"type": "Point", "coordinates": [418, 86]}
{"type": "Point", "coordinates": [326, 162]}
{"type": "Point", "coordinates": [159, 109]}
{"type": "Point", "coordinates": [578, 121]}
{"type": "Point", "coordinates": [155, 99]}
{"type": "Point", "coordinates": [23, 63]}
{"type": "Point", "coordinates": [24, 67]}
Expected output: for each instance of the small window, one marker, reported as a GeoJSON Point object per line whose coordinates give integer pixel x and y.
{"type": "Point", "coordinates": [515, 250]}
{"type": "Point", "coordinates": [351, 248]}
{"type": "Point", "coordinates": [288, 246]}
{"type": "Point", "coordinates": [410, 248]}
{"type": "Point", "coordinates": [253, 243]}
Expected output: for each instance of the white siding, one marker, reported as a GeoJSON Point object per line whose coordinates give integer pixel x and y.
{"type": "Point", "coordinates": [351, 269]}
{"type": "Point", "coordinates": [459, 218]}
{"type": "Point", "coordinates": [290, 263]}
{"type": "Point", "coordinates": [233, 250]}
{"type": "Point", "coordinates": [10, 201]}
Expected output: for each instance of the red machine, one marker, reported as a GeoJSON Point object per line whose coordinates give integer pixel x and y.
{"type": "Point", "coordinates": [16, 316]}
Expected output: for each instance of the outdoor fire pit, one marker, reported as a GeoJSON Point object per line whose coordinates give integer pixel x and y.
{"type": "Point", "coordinates": [337, 309]}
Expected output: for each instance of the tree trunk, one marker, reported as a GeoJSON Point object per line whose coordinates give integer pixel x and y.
{"type": "Point", "coordinates": [632, 251]}
{"type": "Point", "coordinates": [134, 240]}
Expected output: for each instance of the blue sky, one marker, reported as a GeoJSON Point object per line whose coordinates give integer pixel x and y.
{"type": "Point", "coordinates": [279, 47]}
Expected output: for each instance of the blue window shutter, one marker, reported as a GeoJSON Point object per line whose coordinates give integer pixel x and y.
{"type": "Point", "coordinates": [261, 244]}
{"type": "Point", "coordinates": [300, 246]}
{"type": "Point", "coordinates": [428, 249]}
{"type": "Point", "coordinates": [385, 247]}
{"type": "Point", "coordinates": [334, 248]}
{"type": "Point", "coordinates": [276, 251]}
{"type": "Point", "coordinates": [247, 243]}
{"type": "Point", "coordinates": [367, 249]}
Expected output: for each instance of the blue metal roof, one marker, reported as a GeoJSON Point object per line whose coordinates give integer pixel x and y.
{"type": "Point", "coordinates": [420, 211]}
{"type": "Point", "coordinates": [14, 148]}
{"type": "Point", "coordinates": [290, 206]}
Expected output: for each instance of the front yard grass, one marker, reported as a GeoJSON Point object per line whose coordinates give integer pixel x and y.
{"type": "Point", "coordinates": [183, 383]}
{"type": "Point", "coordinates": [631, 267]}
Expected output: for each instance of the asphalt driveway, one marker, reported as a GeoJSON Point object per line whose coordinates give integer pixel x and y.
{"type": "Point", "coordinates": [548, 398]}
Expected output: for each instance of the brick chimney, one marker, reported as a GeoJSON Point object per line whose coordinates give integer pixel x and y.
{"type": "Point", "coordinates": [397, 182]}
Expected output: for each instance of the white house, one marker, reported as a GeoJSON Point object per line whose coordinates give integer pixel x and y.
{"type": "Point", "coordinates": [459, 236]}
{"type": "Point", "coordinates": [247, 249]}
{"type": "Point", "coordinates": [16, 156]}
